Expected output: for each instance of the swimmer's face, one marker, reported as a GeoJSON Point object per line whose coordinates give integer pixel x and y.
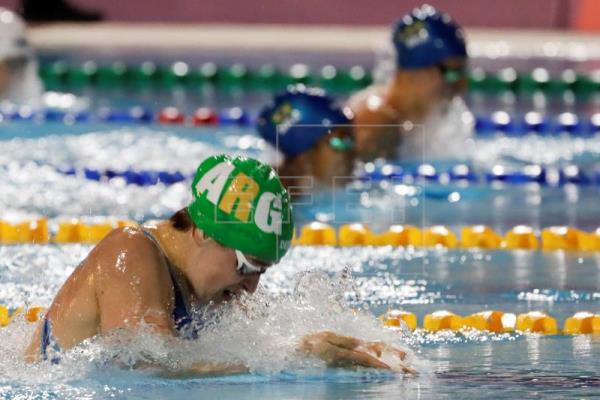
{"type": "Point", "coordinates": [334, 155]}
{"type": "Point", "coordinates": [454, 76]}
{"type": "Point", "coordinates": [213, 271]}
{"type": "Point", "coordinates": [433, 87]}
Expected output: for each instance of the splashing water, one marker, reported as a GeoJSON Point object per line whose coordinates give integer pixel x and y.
{"type": "Point", "coordinates": [446, 133]}
{"type": "Point", "coordinates": [261, 331]}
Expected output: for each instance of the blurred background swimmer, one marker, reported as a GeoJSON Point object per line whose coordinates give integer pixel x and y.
{"type": "Point", "coordinates": [20, 85]}
{"type": "Point", "coordinates": [313, 135]}
{"type": "Point", "coordinates": [417, 111]}
{"type": "Point", "coordinates": [19, 82]}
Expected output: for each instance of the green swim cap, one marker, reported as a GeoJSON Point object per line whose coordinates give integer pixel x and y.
{"type": "Point", "coordinates": [241, 203]}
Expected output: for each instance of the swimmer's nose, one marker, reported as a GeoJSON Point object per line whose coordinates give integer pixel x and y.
{"type": "Point", "coordinates": [460, 87]}
{"type": "Point", "coordinates": [250, 283]}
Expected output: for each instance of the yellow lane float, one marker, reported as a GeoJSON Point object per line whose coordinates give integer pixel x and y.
{"type": "Point", "coordinates": [536, 322]}
{"type": "Point", "coordinates": [6, 316]}
{"type": "Point", "coordinates": [394, 318]}
{"type": "Point", "coordinates": [317, 233]}
{"type": "Point", "coordinates": [442, 320]}
{"type": "Point", "coordinates": [560, 238]}
{"type": "Point", "coordinates": [521, 237]}
{"type": "Point", "coordinates": [93, 233]}
{"type": "Point", "coordinates": [439, 236]}
{"type": "Point", "coordinates": [589, 241]}
{"type": "Point", "coordinates": [33, 314]}
{"type": "Point", "coordinates": [582, 323]}
{"type": "Point", "coordinates": [67, 232]}
{"type": "Point", "coordinates": [400, 235]}
{"type": "Point", "coordinates": [480, 236]}
{"type": "Point", "coordinates": [356, 235]}
{"type": "Point", "coordinates": [492, 321]}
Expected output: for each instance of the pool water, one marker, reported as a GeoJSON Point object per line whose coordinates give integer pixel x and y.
{"type": "Point", "coordinates": [419, 281]}
{"type": "Point", "coordinates": [314, 288]}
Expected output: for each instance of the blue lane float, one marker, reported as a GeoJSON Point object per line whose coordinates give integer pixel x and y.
{"type": "Point", "coordinates": [573, 174]}
{"type": "Point", "coordinates": [526, 174]}
{"type": "Point", "coordinates": [130, 177]}
{"type": "Point", "coordinates": [462, 172]}
{"type": "Point", "coordinates": [501, 122]}
{"type": "Point", "coordinates": [502, 174]}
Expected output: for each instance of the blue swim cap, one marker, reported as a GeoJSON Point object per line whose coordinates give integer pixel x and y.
{"type": "Point", "coordinates": [426, 37]}
{"type": "Point", "coordinates": [291, 114]}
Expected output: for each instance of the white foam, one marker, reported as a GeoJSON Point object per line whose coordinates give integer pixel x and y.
{"type": "Point", "coordinates": [261, 331]}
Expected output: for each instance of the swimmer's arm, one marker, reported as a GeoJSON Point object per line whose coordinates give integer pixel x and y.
{"type": "Point", "coordinates": [347, 352]}
{"type": "Point", "coordinates": [163, 367]}
{"type": "Point", "coordinates": [205, 369]}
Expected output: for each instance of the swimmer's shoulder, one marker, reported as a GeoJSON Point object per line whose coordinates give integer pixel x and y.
{"type": "Point", "coordinates": [375, 123]}
{"type": "Point", "coordinates": [360, 98]}
{"type": "Point", "coordinates": [126, 251]}
{"type": "Point", "coordinates": [370, 107]}
{"type": "Point", "coordinates": [133, 281]}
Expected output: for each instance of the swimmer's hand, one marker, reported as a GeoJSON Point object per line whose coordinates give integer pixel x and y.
{"type": "Point", "coordinates": [344, 351]}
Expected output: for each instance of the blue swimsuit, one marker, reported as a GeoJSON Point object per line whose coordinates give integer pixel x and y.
{"type": "Point", "coordinates": [182, 314]}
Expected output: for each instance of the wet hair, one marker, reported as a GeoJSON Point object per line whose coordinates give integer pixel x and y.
{"type": "Point", "coordinates": [181, 220]}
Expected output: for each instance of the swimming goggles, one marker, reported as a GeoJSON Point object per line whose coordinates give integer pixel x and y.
{"type": "Point", "coordinates": [341, 144]}
{"type": "Point", "coordinates": [452, 74]}
{"type": "Point", "coordinates": [341, 140]}
{"type": "Point", "coordinates": [245, 267]}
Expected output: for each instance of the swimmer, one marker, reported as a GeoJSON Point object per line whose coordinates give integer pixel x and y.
{"type": "Point", "coordinates": [19, 82]}
{"type": "Point", "coordinates": [313, 134]}
{"type": "Point", "coordinates": [238, 225]}
{"type": "Point", "coordinates": [431, 62]}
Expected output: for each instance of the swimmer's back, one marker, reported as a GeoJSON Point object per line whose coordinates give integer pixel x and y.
{"type": "Point", "coordinates": [123, 281]}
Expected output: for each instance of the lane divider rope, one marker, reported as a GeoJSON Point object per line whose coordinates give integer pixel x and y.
{"type": "Point", "coordinates": [462, 174]}
{"type": "Point", "coordinates": [148, 74]}
{"type": "Point", "coordinates": [497, 174]}
{"type": "Point", "coordinates": [537, 322]}
{"type": "Point", "coordinates": [477, 236]}
{"type": "Point", "coordinates": [494, 124]}
{"type": "Point", "coordinates": [140, 115]}
{"type": "Point", "coordinates": [564, 238]}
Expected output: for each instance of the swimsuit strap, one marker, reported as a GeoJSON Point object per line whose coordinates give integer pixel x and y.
{"type": "Point", "coordinates": [48, 341]}
{"type": "Point", "coordinates": [181, 315]}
